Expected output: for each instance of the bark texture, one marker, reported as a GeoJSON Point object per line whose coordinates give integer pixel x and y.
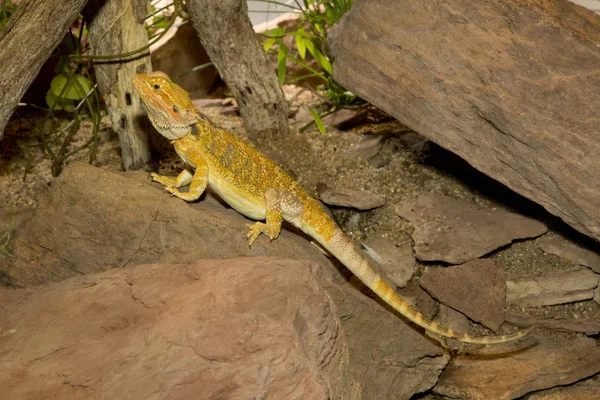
{"type": "Point", "coordinates": [229, 39]}
{"type": "Point", "coordinates": [117, 26]}
{"type": "Point", "coordinates": [513, 87]}
{"type": "Point", "coordinates": [26, 42]}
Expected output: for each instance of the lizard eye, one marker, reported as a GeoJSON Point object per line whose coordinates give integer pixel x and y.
{"type": "Point", "coordinates": [156, 86]}
{"type": "Point", "coordinates": [175, 109]}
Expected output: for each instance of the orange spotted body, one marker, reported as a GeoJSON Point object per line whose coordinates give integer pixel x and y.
{"type": "Point", "coordinates": [259, 189]}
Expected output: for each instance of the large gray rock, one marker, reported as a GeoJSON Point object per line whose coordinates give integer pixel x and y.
{"type": "Point", "coordinates": [510, 86]}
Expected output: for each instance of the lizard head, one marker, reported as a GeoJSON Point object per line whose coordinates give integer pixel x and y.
{"type": "Point", "coordinates": [169, 106]}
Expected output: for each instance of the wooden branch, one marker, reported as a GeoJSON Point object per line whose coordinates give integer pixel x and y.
{"type": "Point", "coordinates": [230, 41]}
{"type": "Point", "coordinates": [26, 42]}
{"type": "Point", "coordinates": [116, 27]}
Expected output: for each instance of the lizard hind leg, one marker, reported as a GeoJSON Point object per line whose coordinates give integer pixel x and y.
{"type": "Point", "coordinates": [278, 203]}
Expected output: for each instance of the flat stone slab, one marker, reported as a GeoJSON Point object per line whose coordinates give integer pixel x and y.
{"type": "Point", "coordinates": [396, 260]}
{"type": "Point", "coordinates": [455, 231]}
{"type": "Point", "coordinates": [549, 363]}
{"type": "Point", "coordinates": [476, 288]}
{"type": "Point", "coordinates": [570, 251]}
{"type": "Point", "coordinates": [575, 284]}
{"type": "Point", "coordinates": [342, 197]}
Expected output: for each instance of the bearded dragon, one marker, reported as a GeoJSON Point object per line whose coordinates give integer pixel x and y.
{"type": "Point", "coordinates": [259, 189]}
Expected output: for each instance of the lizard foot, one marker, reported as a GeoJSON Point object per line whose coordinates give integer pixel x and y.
{"type": "Point", "coordinates": [187, 196]}
{"type": "Point", "coordinates": [256, 229]}
{"type": "Point", "coordinates": [163, 180]}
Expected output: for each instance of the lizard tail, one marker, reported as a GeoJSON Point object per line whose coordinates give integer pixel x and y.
{"type": "Point", "coordinates": [343, 249]}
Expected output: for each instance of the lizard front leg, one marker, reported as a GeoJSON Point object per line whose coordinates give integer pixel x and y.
{"type": "Point", "coordinates": [198, 181]}
{"type": "Point", "coordinates": [184, 178]}
{"type": "Point", "coordinates": [277, 202]}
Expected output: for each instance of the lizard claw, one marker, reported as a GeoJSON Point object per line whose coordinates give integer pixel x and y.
{"type": "Point", "coordinates": [154, 177]}
{"type": "Point", "coordinates": [255, 230]}
{"type": "Point", "coordinates": [171, 190]}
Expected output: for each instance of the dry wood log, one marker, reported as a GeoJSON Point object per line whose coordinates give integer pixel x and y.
{"type": "Point", "coordinates": [227, 35]}
{"type": "Point", "coordinates": [115, 27]}
{"type": "Point", "coordinates": [511, 86]}
{"type": "Point", "coordinates": [26, 42]}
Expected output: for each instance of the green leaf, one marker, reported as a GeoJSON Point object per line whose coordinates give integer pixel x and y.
{"type": "Point", "coordinates": [57, 103]}
{"type": "Point", "coordinates": [269, 43]}
{"type": "Point", "coordinates": [160, 21]}
{"type": "Point", "coordinates": [281, 63]}
{"type": "Point", "coordinates": [301, 44]}
{"type": "Point", "coordinates": [275, 32]}
{"type": "Point", "coordinates": [321, 59]}
{"type": "Point", "coordinates": [318, 121]}
{"type": "Point", "coordinates": [73, 91]}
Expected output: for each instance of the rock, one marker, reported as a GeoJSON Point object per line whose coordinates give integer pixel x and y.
{"type": "Point", "coordinates": [450, 318]}
{"type": "Point", "coordinates": [182, 52]}
{"type": "Point", "coordinates": [396, 260]}
{"type": "Point", "coordinates": [205, 330]}
{"type": "Point", "coordinates": [597, 295]}
{"type": "Point", "coordinates": [232, 110]}
{"type": "Point", "coordinates": [412, 141]}
{"type": "Point", "coordinates": [13, 220]}
{"type": "Point", "coordinates": [455, 231]}
{"type": "Point", "coordinates": [368, 147]}
{"type": "Point", "coordinates": [575, 284]}
{"type": "Point", "coordinates": [552, 362]}
{"type": "Point", "coordinates": [570, 251]}
{"type": "Point", "coordinates": [359, 199]}
{"type": "Point", "coordinates": [206, 103]}
{"type": "Point", "coordinates": [390, 358]}
{"type": "Point", "coordinates": [477, 289]}
{"type": "Point", "coordinates": [92, 219]}
{"type": "Point", "coordinates": [345, 118]}
{"type": "Point", "coordinates": [414, 294]}
{"type": "Point", "coordinates": [303, 115]}
{"type": "Point", "coordinates": [584, 390]}
{"type": "Point", "coordinates": [589, 326]}
{"type": "Point", "coordinates": [459, 75]}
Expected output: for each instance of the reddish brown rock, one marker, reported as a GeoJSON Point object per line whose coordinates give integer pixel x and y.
{"type": "Point", "coordinates": [575, 284]}
{"type": "Point", "coordinates": [396, 260]}
{"type": "Point", "coordinates": [549, 363]}
{"type": "Point", "coordinates": [237, 328]}
{"type": "Point", "coordinates": [571, 251]}
{"type": "Point", "coordinates": [93, 219]}
{"type": "Point", "coordinates": [510, 86]}
{"type": "Point", "coordinates": [477, 289]}
{"type": "Point", "coordinates": [585, 390]}
{"type": "Point", "coordinates": [388, 356]}
{"type": "Point", "coordinates": [455, 230]}
{"type": "Point", "coordinates": [341, 197]}
{"type": "Point", "coordinates": [581, 325]}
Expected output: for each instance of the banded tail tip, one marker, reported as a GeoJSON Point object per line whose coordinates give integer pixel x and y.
{"type": "Point", "coordinates": [496, 339]}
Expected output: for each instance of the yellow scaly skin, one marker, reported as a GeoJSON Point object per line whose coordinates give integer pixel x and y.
{"type": "Point", "coordinates": [257, 188]}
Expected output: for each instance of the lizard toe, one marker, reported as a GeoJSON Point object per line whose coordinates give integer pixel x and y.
{"type": "Point", "coordinates": [255, 230]}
